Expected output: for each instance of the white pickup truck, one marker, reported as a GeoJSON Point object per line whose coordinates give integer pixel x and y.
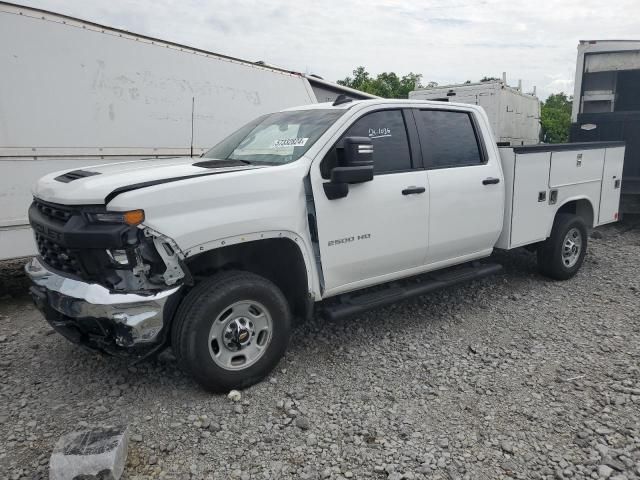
{"type": "Point", "coordinates": [301, 211]}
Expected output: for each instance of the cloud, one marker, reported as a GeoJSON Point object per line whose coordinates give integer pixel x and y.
{"type": "Point", "coordinates": [448, 41]}
{"type": "Point", "coordinates": [219, 24]}
{"type": "Point", "coordinates": [511, 45]}
{"type": "Point", "coordinates": [451, 22]}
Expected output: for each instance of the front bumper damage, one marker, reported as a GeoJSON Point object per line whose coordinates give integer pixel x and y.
{"type": "Point", "coordinates": [91, 315]}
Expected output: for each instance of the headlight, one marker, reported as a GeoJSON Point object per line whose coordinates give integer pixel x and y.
{"type": "Point", "coordinates": [132, 217]}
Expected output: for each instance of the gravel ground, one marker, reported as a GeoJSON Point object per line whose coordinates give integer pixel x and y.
{"type": "Point", "coordinates": [514, 376]}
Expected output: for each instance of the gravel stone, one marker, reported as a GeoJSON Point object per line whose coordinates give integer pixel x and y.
{"type": "Point", "coordinates": [302, 423]}
{"type": "Point", "coordinates": [615, 464]}
{"type": "Point", "coordinates": [506, 446]}
{"type": "Point", "coordinates": [238, 409]}
{"type": "Point", "coordinates": [605, 471]}
{"type": "Point", "coordinates": [510, 377]}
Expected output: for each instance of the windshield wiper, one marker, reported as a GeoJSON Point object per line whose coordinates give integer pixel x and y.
{"type": "Point", "coordinates": [213, 163]}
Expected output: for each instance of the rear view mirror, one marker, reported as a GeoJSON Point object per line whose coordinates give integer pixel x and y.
{"type": "Point", "coordinates": [355, 166]}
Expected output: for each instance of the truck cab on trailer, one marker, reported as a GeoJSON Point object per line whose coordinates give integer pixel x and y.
{"type": "Point", "coordinates": [302, 211]}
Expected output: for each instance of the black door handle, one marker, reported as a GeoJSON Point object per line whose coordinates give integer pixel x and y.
{"type": "Point", "coordinates": [490, 181]}
{"type": "Point", "coordinates": [413, 190]}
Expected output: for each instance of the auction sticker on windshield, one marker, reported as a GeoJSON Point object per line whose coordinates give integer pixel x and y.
{"type": "Point", "coordinates": [289, 142]}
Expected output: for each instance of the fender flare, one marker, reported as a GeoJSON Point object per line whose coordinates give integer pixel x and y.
{"type": "Point", "coordinates": [313, 286]}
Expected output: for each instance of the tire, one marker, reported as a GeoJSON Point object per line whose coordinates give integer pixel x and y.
{"type": "Point", "coordinates": [554, 260]}
{"type": "Point", "coordinates": [231, 316]}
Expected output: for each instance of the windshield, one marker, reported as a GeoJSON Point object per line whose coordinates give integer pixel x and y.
{"type": "Point", "coordinates": [276, 138]}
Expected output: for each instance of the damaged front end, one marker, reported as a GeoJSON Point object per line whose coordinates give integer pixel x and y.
{"type": "Point", "coordinates": [103, 280]}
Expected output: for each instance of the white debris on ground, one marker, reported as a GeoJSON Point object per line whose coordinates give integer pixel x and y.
{"type": "Point", "coordinates": [514, 376]}
{"type": "Point", "coordinates": [100, 453]}
{"type": "Point", "coordinates": [234, 396]}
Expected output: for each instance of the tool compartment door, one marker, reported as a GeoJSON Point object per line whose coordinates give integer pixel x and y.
{"type": "Point", "coordinates": [576, 166]}
{"type": "Point", "coordinates": [531, 214]}
{"type": "Point", "coordinates": [611, 183]}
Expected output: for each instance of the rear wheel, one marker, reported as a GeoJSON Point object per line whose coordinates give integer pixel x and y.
{"type": "Point", "coordinates": [562, 254]}
{"type": "Point", "coordinates": [231, 330]}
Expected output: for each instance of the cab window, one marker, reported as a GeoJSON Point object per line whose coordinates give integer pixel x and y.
{"type": "Point", "coordinates": [388, 134]}
{"type": "Point", "coordinates": [448, 138]}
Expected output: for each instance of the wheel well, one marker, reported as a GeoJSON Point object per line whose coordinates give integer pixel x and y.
{"type": "Point", "coordinates": [582, 208]}
{"type": "Point", "coordinates": [277, 259]}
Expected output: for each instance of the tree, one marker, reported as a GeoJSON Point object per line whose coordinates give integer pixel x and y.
{"type": "Point", "coordinates": [488, 79]}
{"type": "Point", "coordinates": [386, 84]}
{"type": "Point", "coordinates": [555, 118]}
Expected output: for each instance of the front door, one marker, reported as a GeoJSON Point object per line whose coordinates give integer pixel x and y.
{"type": "Point", "coordinates": [379, 230]}
{"type": "Point", "coordinates": [465, 185]}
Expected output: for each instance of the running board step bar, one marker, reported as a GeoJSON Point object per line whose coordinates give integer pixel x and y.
{"type": "Point", "coordinates": [396, 291]}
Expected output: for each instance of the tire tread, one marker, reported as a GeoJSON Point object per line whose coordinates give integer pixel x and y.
{"type": "Point", "coordinates": [551, 248]}
{"type": "Point", "coordinates": [189, 311]}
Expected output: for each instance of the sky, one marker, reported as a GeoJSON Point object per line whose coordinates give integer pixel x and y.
{"type": "Point", "coordinates": [447, 41]}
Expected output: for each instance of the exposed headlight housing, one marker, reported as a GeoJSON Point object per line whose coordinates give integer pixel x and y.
{"type": "Point", "coordinates": [132, 217]}
{"type": "Point", "coordinates": [119, 257]}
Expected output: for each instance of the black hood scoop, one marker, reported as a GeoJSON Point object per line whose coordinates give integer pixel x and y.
{"type": "Point", "coordinates": [75, 175]}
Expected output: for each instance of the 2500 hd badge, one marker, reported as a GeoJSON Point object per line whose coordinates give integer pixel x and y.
{"type": "Point", "coordinates": [340, 241]}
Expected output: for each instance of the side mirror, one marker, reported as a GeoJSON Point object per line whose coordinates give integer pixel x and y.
{"type": "Point", "coordinates": [358, 152]}
{"type": "Point", "coordinates": [356, 166]}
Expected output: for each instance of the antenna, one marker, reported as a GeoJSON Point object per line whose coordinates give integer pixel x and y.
{"type": "Point", "coordinates": [342, 98]}
{"type": "Point", "coordinates": [193, 106]}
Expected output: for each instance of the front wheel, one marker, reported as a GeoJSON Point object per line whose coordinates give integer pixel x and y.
{"type": "Point", "coordinates": [562, 254]}
{"type": "Point", "coordinates": [231, 330]}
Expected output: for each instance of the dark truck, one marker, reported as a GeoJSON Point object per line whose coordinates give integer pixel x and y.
{"type": "Point", "coordinates": [606, 105]}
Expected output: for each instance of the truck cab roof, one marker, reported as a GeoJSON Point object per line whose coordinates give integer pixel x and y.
{"type": "Point", "coordinates": [360, 104]}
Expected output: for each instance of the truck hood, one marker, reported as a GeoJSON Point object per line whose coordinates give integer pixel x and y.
{"type": "Point", "coordinates": [98, 184]}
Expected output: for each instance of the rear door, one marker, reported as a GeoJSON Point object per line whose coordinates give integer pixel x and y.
{"type": "Point", "coordinates": [466, 191]}
{"type": "Point", "coordinates": [379, 230]}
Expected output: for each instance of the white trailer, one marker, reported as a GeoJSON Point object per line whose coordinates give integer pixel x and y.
{"type": "Point", "coordinates": [514, 115]}
{"type": "Point", "coordinates": [74, 93]}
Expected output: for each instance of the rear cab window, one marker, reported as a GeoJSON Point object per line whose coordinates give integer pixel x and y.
{"type": "Point", "coordinates": [449, 138]}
